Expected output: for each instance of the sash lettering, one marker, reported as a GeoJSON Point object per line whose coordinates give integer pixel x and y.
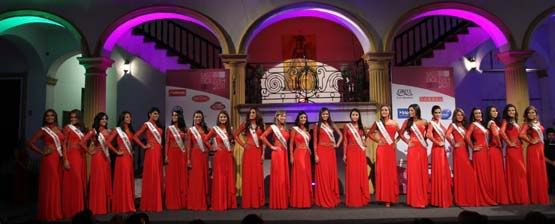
{"type": "Point", "coordinates": [177, 137]}
{"type": "Point", "coordinates": [279, 136]}
{"type": "Point", "coordinates": [306, 137]}
{"type": "Point", "coordinates": [56, 139]}
{"type": "Point", "coordinates": [224, 137]}
{"type": "Point", "coordinates": [384, 133]}
{"type": "Point", "coordinates": [76, 131]}
{"type": "Point", "coordinates": [419, 135]}
{"type": "Point", "coordinates": [329, 132]}
{"type": "Point", "coordinates": [125, 139]}
{"type": "Point", "coordinates": [154, 132]}
{"type": "Point", "coordinates": [355, 133]}
{"type": "Point", "coordinates": [196, 134]}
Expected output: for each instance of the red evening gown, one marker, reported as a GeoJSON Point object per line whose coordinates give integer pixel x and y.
{"type": "Point", "coordinates": [301, 175]}
{"type": "Point", "coordinates": [223, 179]}
{"type": "Point", "coordinates": [176, 173]}
{"type": "Point", "coordinates": [279, 175]}
{"type": "Point", "coordinates": [100, 180]}
{"type": "Point", "coordinates": [441, 195]}
{"type": "Point", "coordinates": [123, 196]}
{"type": "Point", "coordinates": [535, 164]}
{"type": "Point", "coordinates": [481, 162]}
{"type": "Point", "coordinates": [357, 189]}
{"type": "Point", "coordinates": [74, 180]}
{"type": "Point", "coordinates": [198, 175]}
{"type": "Point", "coordinates": [517, 185]}
{"type": "Point", "coordinates": [417, 171]}
{"type": "Point", "coordinates": [500, 194]}
{"type": "Point", "coordinates": [326, 192]}
{"type": "Point", "coordinates": [151, 193]}
{"type": "Point", "coordinates": [253, 173]}
{"type": "Point", "coordinates": [387, 181]}
{"type": "Point", "coordinates": [50, 178]}
{"type": "Point", "coordinates": [465, 181]}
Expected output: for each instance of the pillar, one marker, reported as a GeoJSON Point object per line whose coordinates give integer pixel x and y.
{"type": "Point", "coordinates": [94, 96]}
{"type": "Point", "coordinates": [379, 77]}
{"type": "Point", "coordinates": [236, 64]}
{"type": "Point", "coordinates": [516, 79]}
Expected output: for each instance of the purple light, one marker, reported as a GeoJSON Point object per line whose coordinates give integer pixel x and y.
{"type": "Point", "coordinates": [121, 29]}
{"type": "Point", "coordinates": [498, 37]}
{"type": "Point", "coordinates": [322, 13]}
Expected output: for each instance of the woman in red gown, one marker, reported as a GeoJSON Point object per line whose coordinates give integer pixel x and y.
{"type": "Point", "coordinates": [100, 180]}
{"type": "Point", "coordinates": [50, 174]}
{"type": "Point", "coordinates": [279, 173]}
{"type": "Point", "coordinates": [476, 137]}
{"type": "Point", "coordinates": [465, 189]}
{"type": "Point", "coordinates": [176, 163]}
{"type": "Point", "coordinates": [299, 153]}
{"type": "Point", "coordinates": [151, 193]}
{"type": "Point", "coordinates": [387, 181]}
{"type": "Point", "coordinates": [253, 160]}
{"type": "Point", "coordinates": [532, 133]}
{"type": "Point", "coordinates": [357, 189]}
{"type": "Point", "coordinates": [500, 194]}
{"type": "Point", "coordinates": [74, 176]}
{"type": "Point", "coordinates": [123, 191]}
{"type": "Point", "coordinates": [327, 188]}
{"type": "Point", "coordinates": [417, 158]}
{"type": "Point", "coordinates": [517, 185]}
{"type": "Point", "coordinates": [198, 164]}
{"type": "Point", "coordinates": [441, 173]}
{"type": "Point", "coordinates": [223, 178]}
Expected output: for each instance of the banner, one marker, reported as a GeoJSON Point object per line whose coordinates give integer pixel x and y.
{"type": "Point", "coordinates": [197, 89]}
{"type": "Point", "coordinates": [425, 86]}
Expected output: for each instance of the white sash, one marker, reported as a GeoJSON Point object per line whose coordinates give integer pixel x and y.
{"type": "Point", "coordinates": [224, 137]}
{"type": "Point", "coordinates": [460, 130]}
{"type": "Point", "coordinates": [484, 130]}
{"type": "Point", "coordinates": [102, 142]}
{"type": "Point", "coordinates": [384, 132]}
{"type": "Point", "coordinates": [76, 131]}
{"type": "Point", "coordinates": [56, 139]}
{"type": "Point", "coordinates": [439, 129]}
{"type": "Point", "coordinates": [279, 136]}
{"type": "Point", "coordinates": [306, 137]}
{"type": "Point", "coordinates": [125, 139]}
{"type": "Point", "coordinates": [254, 136]}
{"type": "Point", "coordinates": [419, 135]}
{"type": "Point", "coordinates": [196, 134]}
{"type": "Point", "coordinates": [329, 132]}
{"type": "Point", "coordinates": [177, 137]}
{"type": "Point", "coordinates": [538, 130]}
{"type": "Point", "coordinates": [154, 132]}
{"type": "Point", "coordinates": [489, 124]}
{"type": "Point", "coordinates": [355, 133]}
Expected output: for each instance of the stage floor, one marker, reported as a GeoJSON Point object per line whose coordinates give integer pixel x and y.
{"type": "Point", "coordinates": [370, 214]}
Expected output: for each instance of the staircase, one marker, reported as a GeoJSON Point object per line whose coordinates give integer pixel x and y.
{"type": "Point", "coordinates": [177, 41]}
{"type": "Point", "coordinates": [422, 39]}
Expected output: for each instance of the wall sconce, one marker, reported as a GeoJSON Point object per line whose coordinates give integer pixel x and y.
{"type": "Point", "coordinates": [126, 67]}
{"type": "Point", "coordinates": [470, 63]}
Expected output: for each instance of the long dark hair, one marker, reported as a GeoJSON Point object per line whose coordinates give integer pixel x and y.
{"type": "Point", "coordinates": [435, 107]}
{"type": "Point", "coordinates": [472, 118]}
{"type": "Point", "coordinates": [121, 119]}
{"type": "Point", "coordinates": [96, 123]}
{"type": "Point", "coordinates": [202, 122]}
{"type": "Point", "coordinates": [298, 120]}
{"type": "Point", "coordinates": [454, 118]}
{"type": "Point", "coordinates": [227, 124]}
{"type": "Point", "coordinates": [417, 115]}
{"type": "Point", "coordinates": [330, 122]}
{"type": "Point", "coordinates": [509, 119]}
{"type": "Point", "coordinates": [152, 110]}
{"type": "Point", "coordinates": [259, 120]}
{"type": "Point", "coordinates": [489, 118]}
{"type": "Point", "coordinates": [44, 117]}
{"type": "Point", "coordinates": [180, 120]}
{"type": "Point", "coordinates": [359, 122]}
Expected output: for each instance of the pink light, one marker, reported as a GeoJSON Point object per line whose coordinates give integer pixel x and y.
{"type": "Point", "coordinates": [322, 13]}
{"type": "Point", "coordinates": [123, 28]}
{"type": "Point", "coordinates": [497, 36]}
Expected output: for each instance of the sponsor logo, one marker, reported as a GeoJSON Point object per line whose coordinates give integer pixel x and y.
{"type": "Point", "coordinates": [446, 114]}
{"type": "Point", "coordinates": [404, 92]}
{"type": "Point", "coordinates": [217, 106]}
{"type": "Point", "coordinates": [177, 92]}
{"type": "Point", "coordinates": [201, 98]}
{"type": "Point", "coordinates": [430, 99]}
{"type": "Point", "coordinates": [402, 113]}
